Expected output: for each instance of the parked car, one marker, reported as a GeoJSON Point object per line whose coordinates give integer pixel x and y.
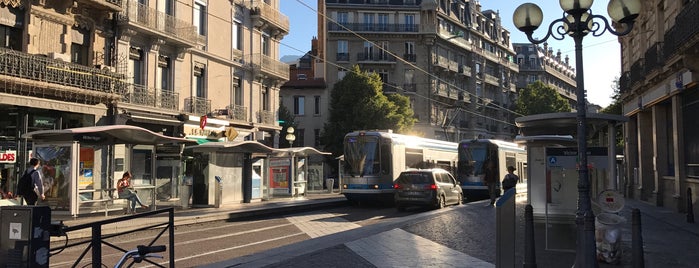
{"type": "Point", "coordinates": [426, 187]}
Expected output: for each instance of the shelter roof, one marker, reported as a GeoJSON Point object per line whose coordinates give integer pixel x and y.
{"type": "Point", "coordinates": [105, 135]}
{"type": "Point", "coordinates": [232, 147]}
{"type": "Point", "coordinates": [298, 151]}
{"type": "Point", "coordinates": [564, 123]}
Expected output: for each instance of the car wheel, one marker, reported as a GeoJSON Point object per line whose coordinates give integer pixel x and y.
{"type": "Point", "coordinates": [441, 202]}
{"type": "Point", "coordinates": [460, 199]}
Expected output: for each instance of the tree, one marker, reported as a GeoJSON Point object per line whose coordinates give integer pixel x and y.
{"type": "Point", "coordinates": [615, 108]}
{"type": "Point", "coordinates": [357, 103]}
{"type": "Point", "coordinates": [287, 120]}
{"type": "Point", "coordinates": [538, 98]}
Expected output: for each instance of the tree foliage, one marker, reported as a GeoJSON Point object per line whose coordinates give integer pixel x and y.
{"type": "Point", "coordinates": [289, 120]}
{"type": "Point", "coordinates": [538, 98]}
{"type": "Point", "coordinates": [357, 102]}
{"type": "Point", "coordinates": [616, 108]}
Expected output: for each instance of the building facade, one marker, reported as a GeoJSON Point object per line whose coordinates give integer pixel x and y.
{"type": "Point", "coordinates": [541, 64]}
{"type": "Point", "coordinates": [200, 69]}
{"type": "Point", "coordinates": [659, 93]}
{"type": "Point", "coordinates": [453, 60]}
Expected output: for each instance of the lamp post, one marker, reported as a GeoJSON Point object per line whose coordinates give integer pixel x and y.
{"type": "Point", "coordinates": [290, 137]}
{"type": "Point", "coordinates": [578, 21]}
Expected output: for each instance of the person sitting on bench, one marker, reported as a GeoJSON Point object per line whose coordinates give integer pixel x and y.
{"type": "Point", "coordinates": [125, 191]}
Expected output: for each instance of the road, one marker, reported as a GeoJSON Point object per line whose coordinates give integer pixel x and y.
{"type": "Point", "coordinates": [217, 241]}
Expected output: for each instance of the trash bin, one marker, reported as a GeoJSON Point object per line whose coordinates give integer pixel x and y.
{"type": "Point", "coordinates": [185, 193]}
{"type": "Point", "coordinates": [608, 227]}
{"type": "Point", "coordinates": [330, 183]}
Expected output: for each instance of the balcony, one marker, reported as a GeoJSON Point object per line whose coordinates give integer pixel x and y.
{"type": "Point", "coordinates": [342, 57]}
{"type": "Point", "coordinates": [266, 16]}
{"type": "Point", "coordinates": [636, 74]}
{"type": "Point", "coordinates": [376, 57]}
{"type": "Point", "coordinates": [151, 97]}
{"type": "Point", "coordinates": [490, 79]}
{"type": "Point", "coordinates": [410, 57]}
{"type": "Point", "coordinates": [109, 5]}
{"type": "Point", "coordinates": [266, 117]}
{"type": "Point", "coordinates": [265, 64]}
{"type": "Point", "coordinates": [148, 20]}
{"type": "Point", "coordinates": [441, 61]}
{"type": "Point", "coordinates": [197, 105]}
{"type": "Point", "coordinates": [684, 34]}
{"type": "Point", "coordinates": [412, 87]}
{"type": "Point", "coordinates": [367, 27]}
{"type": "Point", "coordinates": [655, 58]}
{"type": "Point", "coordinates": [57, 79]}
{"type": "Point", "coordinates": [464, 70]}
{"type": "Point", "coordinates": [237, 112]}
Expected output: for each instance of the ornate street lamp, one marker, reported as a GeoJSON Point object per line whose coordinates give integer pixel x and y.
{"type": "Point", "coordinates": [578, 21]}
{"type": "Point", "coordinates": [290, 137]}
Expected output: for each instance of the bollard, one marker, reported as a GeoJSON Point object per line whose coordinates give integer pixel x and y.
{"type": "Point", "coordinates": [529, 244]}
{"type": "Point", "coordinates": [636, 239]}
{"type": "Point", "coordinates": [690, 207]}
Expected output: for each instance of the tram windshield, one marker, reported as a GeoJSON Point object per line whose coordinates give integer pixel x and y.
{"type": "Point", "coordinates": [471, 159]}
{"type": "Point", "coordinates": [361, 155]}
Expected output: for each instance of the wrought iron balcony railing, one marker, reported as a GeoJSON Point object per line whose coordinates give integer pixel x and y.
{"type": "Point", "coordinates": [197, 105]}
{"type": "Point", "coordinates": [636, 73]}
{"type": "Point", "coordinates": [376, 56]}
{"type": "Point", "coordinates": [270, 65]}
{"type": "Point", "coordinates": [237, 112]}
{"type": "Point", "coordinates": [684, 31]}
{"type": "Point", "coordinates": [266, 117]}
{"type": "Point", "coordinates": [410, 57]}
{"type": "Point", "coordinates": [370, 27]}
{"type": "Point", "coordinates": [342, 57]}
{"type": "Point", "coordinates": [81, 79]}
{"type": "Point", "coordinates": [159, 22]}
{"type": "Point", "coordinates": [655, 57]}
{"type": "Point", "coordinates": [112, 5]}
{"type": "Point", "coordinates": [151, 97]}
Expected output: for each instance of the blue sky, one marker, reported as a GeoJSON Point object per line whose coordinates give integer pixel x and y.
{"type": "Point", "coordinates": [600, 54]}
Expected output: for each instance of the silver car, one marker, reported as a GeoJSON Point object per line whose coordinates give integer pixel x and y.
{"type": "Point", "coordinates": [426, 187]}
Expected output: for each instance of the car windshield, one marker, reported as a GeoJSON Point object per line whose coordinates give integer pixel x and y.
{"type": "Point", "coordinates": [414, 178]}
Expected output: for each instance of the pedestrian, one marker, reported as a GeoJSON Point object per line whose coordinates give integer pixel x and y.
{"type": "Point", "coordinates": [125, 191]}
{"type": "Point", "coordinates": [510, 179]}
{"type": "Point", "coordinates": [30, 186]}
{"type": "Point", "coordinates": [490, 178]}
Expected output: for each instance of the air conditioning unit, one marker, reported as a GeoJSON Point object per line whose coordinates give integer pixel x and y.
{"type": "Point", "coordinates": [59, 56]}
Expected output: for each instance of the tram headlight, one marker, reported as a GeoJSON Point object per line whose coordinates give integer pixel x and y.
{"type": "Point", "coordinates": [344, 186]}
{"type": "Point", "coordinates": [376, 186]}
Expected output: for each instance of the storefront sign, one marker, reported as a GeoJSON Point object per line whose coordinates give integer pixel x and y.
{"type": "Point", "coordinates": [8, 156]}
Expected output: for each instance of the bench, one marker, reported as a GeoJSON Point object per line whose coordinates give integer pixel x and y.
{"type": "Point", "coordinates": [105, 199]}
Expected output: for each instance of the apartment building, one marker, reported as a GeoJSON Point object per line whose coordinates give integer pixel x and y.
{"type": "Point", "coordinates": [451, 58]}
{"type": "Point", "coordinates": [659, 93]}
{"type": "Point", "coordinates": [199, 69]}
{"type": "Point", "coordinates": [538, 63]}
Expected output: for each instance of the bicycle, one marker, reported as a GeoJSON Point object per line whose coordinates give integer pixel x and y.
{"type": "Point", "coordinates": [140, 254]}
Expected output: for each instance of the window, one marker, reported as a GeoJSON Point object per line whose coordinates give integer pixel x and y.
{"type": "Point", "coordinates": [342, 50]}
{"type": "Point", "coordinates": [383, 52]}
{"type": "Point", "coordinates": [199, 80]}
{"type": "Point", "coordinates": [237, 35]}
{"type": "Point", "coordinates": [199, 17]}
{"type": "Point", "coordinates": [136, 65]}
{"type": "Point", "coordinates": [300, 138]}
{"type": "Point", "coordinates": [369, 21]}
{"type": "Point", "coordinates": [410, 51]}
{"type": "Point", "coordinates": [316, 105]}
{"type": "Point", "coordinates": [342, 18]}
{"type": "Point", "coordinates": [164, 73]}
{"type": "Point", "coordinates": [410, 23]}
{"type": "Point", "coordinates": [80, 45]}
{"type": "Point", "coordinates": [316, 137]}
{"type": "Point", "coordinates": [383, 22]}
{"type": "Point", "coordinates": [265, 98]}
{"type": "Point", "coordinates": [238, 91]}
{"type": "Point", "coordinates": [299, 105]}
{"type": "Point", "coordinates": [10, 37]}
{"type": "Point", "coordinates": [265, 44]}
{"type": "Point", "coordinates": [368, 50]}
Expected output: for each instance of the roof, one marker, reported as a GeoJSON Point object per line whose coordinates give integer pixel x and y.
{"type": "Point", "coordinates": [232, 147]}
{"type": "Point", "coordinates": [564, 123]}
{"type": "Point", "coordinates": [299, 151]}
{"type": "Point", "coordinates": [105, 135]}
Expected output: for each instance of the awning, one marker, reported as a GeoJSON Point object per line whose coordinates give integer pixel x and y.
{"type": "Point", "coordinates": [202, 139]}
{"type": "Point", "coordinates": [232, 147]}
{"type": "Point", "coordinates": [298, 151]}
{"type": "Point", "coordinates": [105, 135]}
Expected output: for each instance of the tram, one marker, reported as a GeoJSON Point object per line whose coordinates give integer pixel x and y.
{"type": "Point", "coordinates": [474, 153]}
{"type": "Point", "coordinates": [374, 159]}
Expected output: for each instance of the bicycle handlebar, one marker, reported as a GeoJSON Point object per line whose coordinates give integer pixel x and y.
{"type": "Point", "coordinates": [140, 253]}
{"type": "Point", "coordinates": [143, 250]}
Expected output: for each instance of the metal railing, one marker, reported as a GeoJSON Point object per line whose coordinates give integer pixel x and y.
{"type": "Point", "coordinates": [158, 21]}
{"type": "Point", "coordinates": [371, 27]}
{"type": "Point", "coordinates": [237, 112]}
{"type": "Point", "coordinates": [43, 69]}
{"type": "Point", "coordinates": [95, 242]}
{"type": "Point", "coordinates": [152, 97]}
{"type": "Point", "coordinates": [266, 117]}
{"type": "Point", "coordinates": [342, 57]}
{"type": "Point", "coordinates": [197, 105]}
{"type": "Point", "coordinates": [684, 31]}
{"type": "Point", "coordinates": [376, 56]}
{"type": "Point", "coordinates": [655, 57]}
{"type": "Point", "coordinates": [270, 14]}
{"type": "Point", "coordinates": [269, 65]}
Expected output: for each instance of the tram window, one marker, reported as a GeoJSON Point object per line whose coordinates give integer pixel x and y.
{"type": "Point", "coordinates": [386, 158]}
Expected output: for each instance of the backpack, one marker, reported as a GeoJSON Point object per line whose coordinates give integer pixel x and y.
{"type": "Point", "coordinates": [25, 185]}
{"type": "Point", "coordinates": [509, 181]}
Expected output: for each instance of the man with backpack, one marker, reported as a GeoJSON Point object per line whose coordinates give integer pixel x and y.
{"type": "Point", "coordinates": [29, 185]}
{"type": "Point", "coordinates": [510, 179]}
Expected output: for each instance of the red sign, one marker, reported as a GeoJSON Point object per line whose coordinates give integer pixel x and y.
{"type": "Point", "coordinates": [8, 157]}
{"type": "Point", "coordinates": [202, 122]}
